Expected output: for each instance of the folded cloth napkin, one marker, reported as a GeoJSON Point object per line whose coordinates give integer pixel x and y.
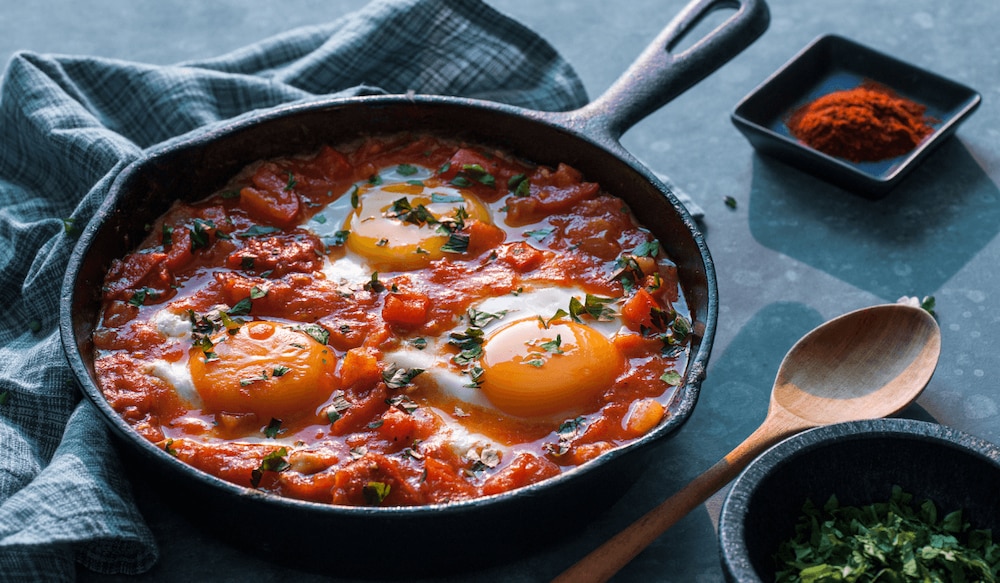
{"type": "Point", "coordinates": [70, 123]}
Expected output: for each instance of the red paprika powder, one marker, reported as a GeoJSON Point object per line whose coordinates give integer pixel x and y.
{"type": "Point", "coordinates": [865, 124]}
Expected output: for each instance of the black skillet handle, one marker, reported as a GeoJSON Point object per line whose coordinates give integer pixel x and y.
{"type": "Point", "coordinates": [657, 76]}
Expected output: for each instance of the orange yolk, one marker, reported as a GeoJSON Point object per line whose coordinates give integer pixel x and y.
{"type": "Point", "coordinates": [399, 226]}
{"type": "Point", "coordinates": [266, 368]}
{"type": "Point", "coordinates": [530, 370]}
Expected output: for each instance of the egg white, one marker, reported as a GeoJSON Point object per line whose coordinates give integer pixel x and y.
{"type": "Point", "coordinates": [177, 375]}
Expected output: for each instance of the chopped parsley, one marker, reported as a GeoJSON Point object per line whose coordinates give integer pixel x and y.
{"type": "Point", "coordinates": [730, 202]}
{"type": "Point", "coordinates": [539, 234]}
{"type": "Point", "coordinates": [438, 197]}
{"type": "Point", "coordinates": [316, 332]}
{"type": "Point", "coordinates": [406, 169]}
{"type": "Point", "coordinates": [168, 235]}
{"type": "Point", "coordinates": [397, 378]}
{"type": "Point", "coordinates": [647, 249]}
{"type": "Point", "coordinates": [273, 428]}
{"type": "Point", "coordinates": [257, 231]}
{"type": "Point", "coordinates": [519, 185]}
{"type": "Point", "coordinates": [355, 199]}
{"type": "Point", "coordinates": [553, 346]}
{"type": "Point", "coordinates": [69, 226]}
{"type": "Point", "coordinates": [469, 343]}
{"type": "Point", "coordinates": [242, 308]}
{"type": "Point", "coordinates": [417, 215]}
{"type": "Point", "coordinates": [567, 431]}
{"type": "Point", "coordinates": [479, 174]}
{"type": "Point", "coordinates": [672, 378]}
{"type": "Point", "coordinates": [139, 297]}
{"type": "Point", "coordinates": [895, 540]}
{"type": "Point", "coordinates": [457, 243]}
{"type": "Point", "coordinates": [476, 373]}
{"type": "Point", "coordinates": [272, 462]}
{"type": "Point", "coordinates": [480, 318]}
{"type": "Point", "coordinates": [338, 405]}
{"type": "Point", "coordinates": [376, 492]}
{"type": "Point", "coordinates": [200, 234]}
{"type": "Point", "coordinates": [374, 285]}
{"type": "Point", "coordinates": [595, 306]}
{"type": "Point", "coordinates": [338, 239]}
{"type": "Point", "coordinates": [403, 402]}
{"type": "Point", "coordinates": [291, 182]}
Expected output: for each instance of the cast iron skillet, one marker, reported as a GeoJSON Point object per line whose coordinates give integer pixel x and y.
{"type": "Point", "coordinates": [463, 533]}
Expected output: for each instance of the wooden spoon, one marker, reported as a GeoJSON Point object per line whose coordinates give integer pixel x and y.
{"type": "Point", "coordinates": [865, 364]}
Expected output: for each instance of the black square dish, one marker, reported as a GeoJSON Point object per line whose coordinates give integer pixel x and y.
{"type": "Point", "coordinates": [833, 63]}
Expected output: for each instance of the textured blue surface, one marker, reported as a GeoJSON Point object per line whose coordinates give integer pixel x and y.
{"type": "Point", "coordinates": [794, 252]}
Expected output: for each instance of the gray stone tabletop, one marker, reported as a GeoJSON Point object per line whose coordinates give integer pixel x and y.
{"type": "Point", "coordinates": [793, 252]}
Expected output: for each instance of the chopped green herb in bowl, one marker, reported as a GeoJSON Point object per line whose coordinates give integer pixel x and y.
{"type": "Point", "coordinates": [880, 500]}
{"type": "Point", "coordinates": [897, 540]}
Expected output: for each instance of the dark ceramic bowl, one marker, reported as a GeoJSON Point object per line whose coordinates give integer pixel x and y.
{"type": "Point", "coordinates": [859, 462]}
{"type": "Point", "coordinates": [832, 63]}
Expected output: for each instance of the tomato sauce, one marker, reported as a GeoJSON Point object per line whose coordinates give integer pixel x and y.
{"type": "Point", "coordinates": [400, 321]}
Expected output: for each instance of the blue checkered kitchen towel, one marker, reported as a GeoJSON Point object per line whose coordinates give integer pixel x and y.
{"type": "Point", "coordinates": [70, 124]}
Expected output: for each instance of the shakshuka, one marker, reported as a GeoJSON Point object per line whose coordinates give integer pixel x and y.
{"type": "Point", "coordinates": [402, 321]}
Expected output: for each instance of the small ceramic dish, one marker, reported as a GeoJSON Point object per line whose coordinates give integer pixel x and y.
{"type": "Point", "coordinates": [833, 63]}
{"type": "Point", "coordinates": [859, 462]}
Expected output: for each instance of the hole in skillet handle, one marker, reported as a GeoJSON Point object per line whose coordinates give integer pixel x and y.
{"type": "Point", "coordinates": [704, 24]}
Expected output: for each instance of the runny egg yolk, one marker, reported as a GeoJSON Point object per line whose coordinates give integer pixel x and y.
{"type": "Point", "coordinates": [405, 226]}
{"type": "Point", "coordinates": [266, 368]}
{"type": "Point", "coordinates": [531, 370]}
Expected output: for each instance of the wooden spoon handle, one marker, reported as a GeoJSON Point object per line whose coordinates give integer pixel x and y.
{"type": "Point", "coordinates": [606, 560]}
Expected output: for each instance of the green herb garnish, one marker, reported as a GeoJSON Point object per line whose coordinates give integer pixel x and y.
{"type": "Point", "coordinates": [397, 378]}
{"type": "Point", "coordinates": [355, 199]}
{"type": "Point", "coordinates": [519, 185]}
{"type": "Point", "coordinates": [200, 234]}
{"type": "Point", "coordinates": [272, 462]}
{"type": "Point", "coordinates": [457, 243]}
{"type": "Point", "coordinates": [273, 428]}
{"type": "Point", "coordinates": [594, 306]}
{"type": "Point", "coordinates": [316, 332]}
{"type": "Point", "coordinates": [338, 405]}
{"type": "Point", "coordinates": [647, 249]}
{"type": "Point", "coordinates": [242, 308]}
{"type": "Point", "coordinates": [375, 492]}
{"type": "Point", "coordinates": [671, 377]}
{"type": "Point", "coordinates": [406, 169]}
{"type": "Point", "coordinates": [438, 197]}
{"type": "Point", "coordinates": [886, 541]}
{"type": "Point", "coordinates": [257, 231]}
